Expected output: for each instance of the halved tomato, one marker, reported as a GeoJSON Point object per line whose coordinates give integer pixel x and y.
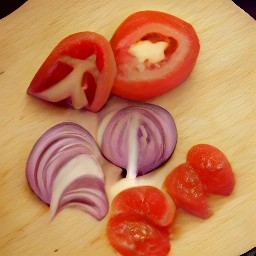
{"type": "Point", "coordinates": [131, 235]}
{"type": "Point", "coordinates": [146, 201]}
{"type": "Point", "coordinates": [213, 169]}
{"type": "Point", "coordinates": [80, 70]}
{"type": "Point", "coordinates": [155, 52]}
{"type": "Point", "coordinates": [187, 191]}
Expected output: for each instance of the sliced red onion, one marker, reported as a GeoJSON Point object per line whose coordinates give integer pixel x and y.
{"type": "Point", "coordinates": [64, 170]}
{"type": "Point", "coordinates": [138, 138]}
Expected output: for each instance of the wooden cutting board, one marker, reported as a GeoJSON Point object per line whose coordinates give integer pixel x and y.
{"type": "Point", "coordinates": [216, 105]}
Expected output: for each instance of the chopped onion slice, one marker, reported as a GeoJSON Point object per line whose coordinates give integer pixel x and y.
{"type": "Point", "coordinates": [138, 138]}
{"type": "Point", "coordinates": [64, 170]}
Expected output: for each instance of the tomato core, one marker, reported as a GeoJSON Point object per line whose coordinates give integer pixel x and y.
{"type": "Point", "coordinates": [155, 37]}
{"type": "Point", "coordinates": [152, 51]}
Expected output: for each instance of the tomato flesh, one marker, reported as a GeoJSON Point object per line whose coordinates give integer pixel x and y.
{"type": "Point", "coordinates": [146, 201]}
{"type": "Point", "coordinates": [131, 235]}
{"type": "Point", "coordinates": [153, 79]}
{"type": "Point", "coordinates": [187, 191]}
{"type": "Point", "coordinates": [80, 70]}
{"type": "Point", "coordinates": [140, 221]}
{"type": "Point", "coordinates": [213, 168]}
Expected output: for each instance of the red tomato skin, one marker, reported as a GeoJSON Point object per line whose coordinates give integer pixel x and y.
{"type": "Point", "coordinates": [79, 45]}
{"type": "Point", "coordinates": [187, 191]}
{"type": "Point", "coordinates": [131, 235]}
{"type": "Point", "coordinates": [146, 201]}
{"type": "Point", "coordinates": [147, 88]}
{"type": "Point", "coordinates": [213, 168]}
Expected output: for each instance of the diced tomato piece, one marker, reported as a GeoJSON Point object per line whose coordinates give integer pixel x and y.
{"type": "Point", "coordinates": [213, 168]}
{"type": "Point", "coordinates": [155, 52]}
{"type": "Point", "coordinates": [146, 201]}
{"type": "Point", "coordinates": [131, 235]}
{"type": "Point", "coordinates": [80, 71]}
{"type": "Point", "coordinates": [188, 192]}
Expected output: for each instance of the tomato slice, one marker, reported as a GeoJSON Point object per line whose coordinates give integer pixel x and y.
{"type": "Point", "coordinates": [130, 235]}
{"type": "Point", "coordinates": [146, 201]}
{"type": "Point", "coordinates": [80, 70]}
{"type": "Point", "coordinates": [187, 191]}
{"type": "Point", "coordinates": [213, 168]}
{"type": "Point", "coordinates": [155, 52]}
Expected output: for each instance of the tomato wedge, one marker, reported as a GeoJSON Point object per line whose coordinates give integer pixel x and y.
{"type": "Point", "coordinates": [131, 235]}
{"type": "Point", "coordinates": [79, 71]}
{"type": "Point", "coordinates": [213, 168]}
{"type": "Point", "coordinates": [155, 52]}
{"type": "Point", "coordinates": [187, 191]}
{"type": "Point", "coordinates": [146, 201]}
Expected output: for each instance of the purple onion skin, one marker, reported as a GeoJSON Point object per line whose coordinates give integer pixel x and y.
{"type": "Point", "coordinates": [91, 183]}
{"type": "Point", "coordinates": [156, 135]}
{"type": "Point", "coordinates": [53, 150]}
{"type": "Point", "coordinates": [51, 136]}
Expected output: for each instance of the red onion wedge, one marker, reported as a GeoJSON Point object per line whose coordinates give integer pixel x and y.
{"type": "Point", "coordinates": [138, 138]}
{"type": "Point", "coordinates": [64, 170]}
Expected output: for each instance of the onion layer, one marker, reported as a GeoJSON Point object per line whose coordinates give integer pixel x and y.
{"type": "Point", "coordinates": [139, 138]}
{"type": "Point", "coordinates": [64, 170]}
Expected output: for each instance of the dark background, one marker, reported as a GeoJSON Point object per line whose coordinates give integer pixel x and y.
{"type": "Point", "coordinates": [248, 5]}
{"type": "Point", "coordinates": [8, 6]}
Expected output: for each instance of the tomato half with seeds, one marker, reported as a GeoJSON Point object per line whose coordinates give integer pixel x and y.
{"type": "Point", "coordinates": [146, 201]}
{"type": "Point", "coordinates": [79, 71]}
{"type": "Point", "coordinates": [185, 187]}
{"type": "Point", "coordinates": [131, 235]}
{"type": "Point", "coordinates": [213, 168]}
{"type": "Point", "coordinates": [155, 52]}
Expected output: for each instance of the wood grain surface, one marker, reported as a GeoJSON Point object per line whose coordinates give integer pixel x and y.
{"type": "Point", "coordinates": [216, 105]}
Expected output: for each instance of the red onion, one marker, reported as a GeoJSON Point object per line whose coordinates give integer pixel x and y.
{"type": "Point", "coordinates": [138, 138]}
{"type": "Point", "coordinates": [64, 170]}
